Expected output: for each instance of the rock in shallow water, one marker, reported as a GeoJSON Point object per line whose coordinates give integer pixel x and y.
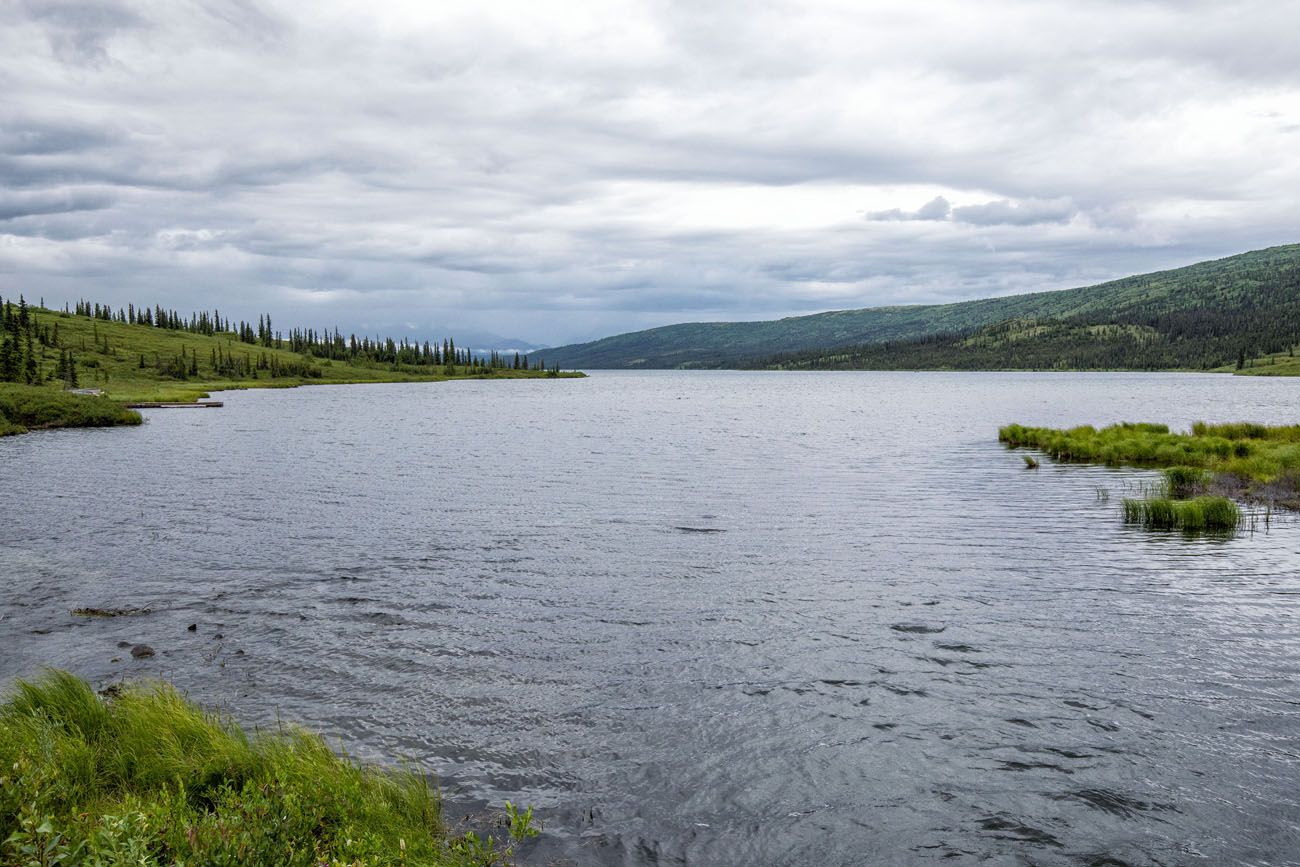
{"type": "Point", "coordinates": [111, 612]}
{"type": "Point", "coordinates": [142, 651]}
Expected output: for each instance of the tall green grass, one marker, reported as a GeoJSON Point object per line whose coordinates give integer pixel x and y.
{"type": "Point", "coordinates": [146, 778]}
{"type": "Point", "coordinates": [1255, 454]}
{"type": "Point", "coordinates": [1199, 514]}
{"type": "Point", "coordinates": [1184, 482]}
{"type": "Point", "coordinates": [27, 407]}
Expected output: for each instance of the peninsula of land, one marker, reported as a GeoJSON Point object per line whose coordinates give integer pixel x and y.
{"type": "Point", "coordinates": [82, 366]}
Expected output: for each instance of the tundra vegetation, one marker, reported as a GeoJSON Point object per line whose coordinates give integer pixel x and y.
{"type": "Point", "coordinates": [141, 776]}
{"type": "Point", "coordinates": [24, 408]}
{"type": "Point", "coordinates": [1204, 469]}
{"type": "Point", "coordinates": [144, 355]}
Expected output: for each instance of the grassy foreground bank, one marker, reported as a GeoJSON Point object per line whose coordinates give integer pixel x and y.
{"type": "Point", "coordinates": [29, 407]}
{"type": "Point", "coordinates": [143, 777]}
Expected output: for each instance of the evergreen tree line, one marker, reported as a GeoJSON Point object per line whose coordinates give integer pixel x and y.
{"type": "Point", "coordinates": [332, 345]}
{"type": "Point", "coordinates": [23, 340]}
{"type": "Point", "coordinates": [323, 344]}
{"type": "Point", "coordinates": [227, 364]}
{"type": "Point", "coordinates": [22, 344]}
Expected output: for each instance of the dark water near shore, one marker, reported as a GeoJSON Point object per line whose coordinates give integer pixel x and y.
{"type": "Point", "coordinates": [707, 618]}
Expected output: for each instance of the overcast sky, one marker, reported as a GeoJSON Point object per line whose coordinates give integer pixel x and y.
{"type": "Point", "coordinates": [562, 171]}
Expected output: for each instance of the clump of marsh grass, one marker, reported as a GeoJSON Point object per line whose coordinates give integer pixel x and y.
{"type": "Point", "coordinates": [1199, 514]}
{"type": "Point", "coordinates": [1031, 463]}
{"type": "Point", "coordinates": [145, 777]}
{"type": "Point", "coordinates": [1242, 459]}
{"type": "Point", "coordinates": [1184, 482]}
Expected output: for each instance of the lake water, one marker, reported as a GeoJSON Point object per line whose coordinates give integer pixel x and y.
{"type": "Point", "coordinates": [702, 618]}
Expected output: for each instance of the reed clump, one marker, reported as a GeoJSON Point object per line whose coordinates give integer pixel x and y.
{"type": "Point", "coordinates": [1184, 482]}
{"type": "Point", "coordinates": [144, 777]}
{"type": "Point", "coordinates": [1199, 514]}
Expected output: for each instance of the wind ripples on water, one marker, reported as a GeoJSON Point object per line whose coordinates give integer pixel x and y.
{"type": "Point", "coordinates": [711, 618]}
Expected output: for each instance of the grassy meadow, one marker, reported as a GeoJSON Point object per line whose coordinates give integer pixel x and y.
{"type": "Point", "coordinates": [123, 361]}
{"type": "Point", "coordinates": [141, 776]}
{"type": "Point", "coordinates": [1273, 364]}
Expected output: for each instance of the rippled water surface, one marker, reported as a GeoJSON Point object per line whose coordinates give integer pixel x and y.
{"type": "Point", "coordinates": [704, 618]}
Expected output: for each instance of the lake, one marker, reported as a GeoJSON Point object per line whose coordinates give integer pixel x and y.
{"type": "Point", "coordinates": [702, 618]}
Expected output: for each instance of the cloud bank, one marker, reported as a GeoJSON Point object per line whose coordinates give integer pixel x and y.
{"type": "Point", "coordinates": [560, 171]}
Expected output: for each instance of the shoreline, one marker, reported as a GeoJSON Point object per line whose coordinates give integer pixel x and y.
{"type": "Point", "coordinates": [27, 409]}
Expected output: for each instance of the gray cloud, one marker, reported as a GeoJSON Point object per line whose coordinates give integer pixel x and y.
{"type": "Point", "coordinates": [937, 208]}
{"type": "Point", "coordinates": [1008, 213]}
{"type": "Point", "coordinates": [14, 206]}
{"type": "Point", "coordinates": [79, 31]}
{"type": "Point", "coordinates": [559, 173]}
{"type": "Point", "coordinates": [1004, 212]}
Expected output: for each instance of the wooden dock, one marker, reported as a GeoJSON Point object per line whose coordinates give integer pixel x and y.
{"type": "Point", "coordinates": [207, 404]}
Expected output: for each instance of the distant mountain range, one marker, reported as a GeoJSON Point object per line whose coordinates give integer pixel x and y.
{"type": "Point", "coordinates": [478, 342]}
{"type": "Point", "coordinates": [1203, 316]}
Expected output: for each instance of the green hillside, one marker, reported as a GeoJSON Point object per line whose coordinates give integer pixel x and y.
{"type": "Point", "coordinates": [1187, 340]}
{"type": "Point", "coordinates": [158, 356]}
{"type": "Point", "coordinates": [1200, 316]}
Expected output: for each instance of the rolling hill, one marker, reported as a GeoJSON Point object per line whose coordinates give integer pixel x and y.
{"type": "Point", "coordinates": [169, 358]}
{"type": "Point", "coordinates": [1201, 316]}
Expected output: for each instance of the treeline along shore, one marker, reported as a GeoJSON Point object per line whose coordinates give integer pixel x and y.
{"type": "Point", "coordinates": [154, 355]}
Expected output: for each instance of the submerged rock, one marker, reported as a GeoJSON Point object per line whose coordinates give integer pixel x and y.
{"type": "Point", "coordinates": [142, 651]}
{"type": "Point", "coordinates": [918, 628]}
{"type": "Point", "coordinates": [110, 612]}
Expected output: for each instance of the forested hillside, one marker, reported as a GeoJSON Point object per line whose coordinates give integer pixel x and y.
{"type": "Point", "coordinates": [1201, 316]}
{"type": "Point", "coordinates": [154, 354]}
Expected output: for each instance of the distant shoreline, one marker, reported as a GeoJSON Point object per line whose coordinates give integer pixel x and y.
{"type": "Point", "coordinates": [30, 408]}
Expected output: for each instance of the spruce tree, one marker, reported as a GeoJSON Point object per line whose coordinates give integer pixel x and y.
{"type": "Point", "coordinates": [9, 368]}
{"type": "Point", "coordinates": [31, 371]}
